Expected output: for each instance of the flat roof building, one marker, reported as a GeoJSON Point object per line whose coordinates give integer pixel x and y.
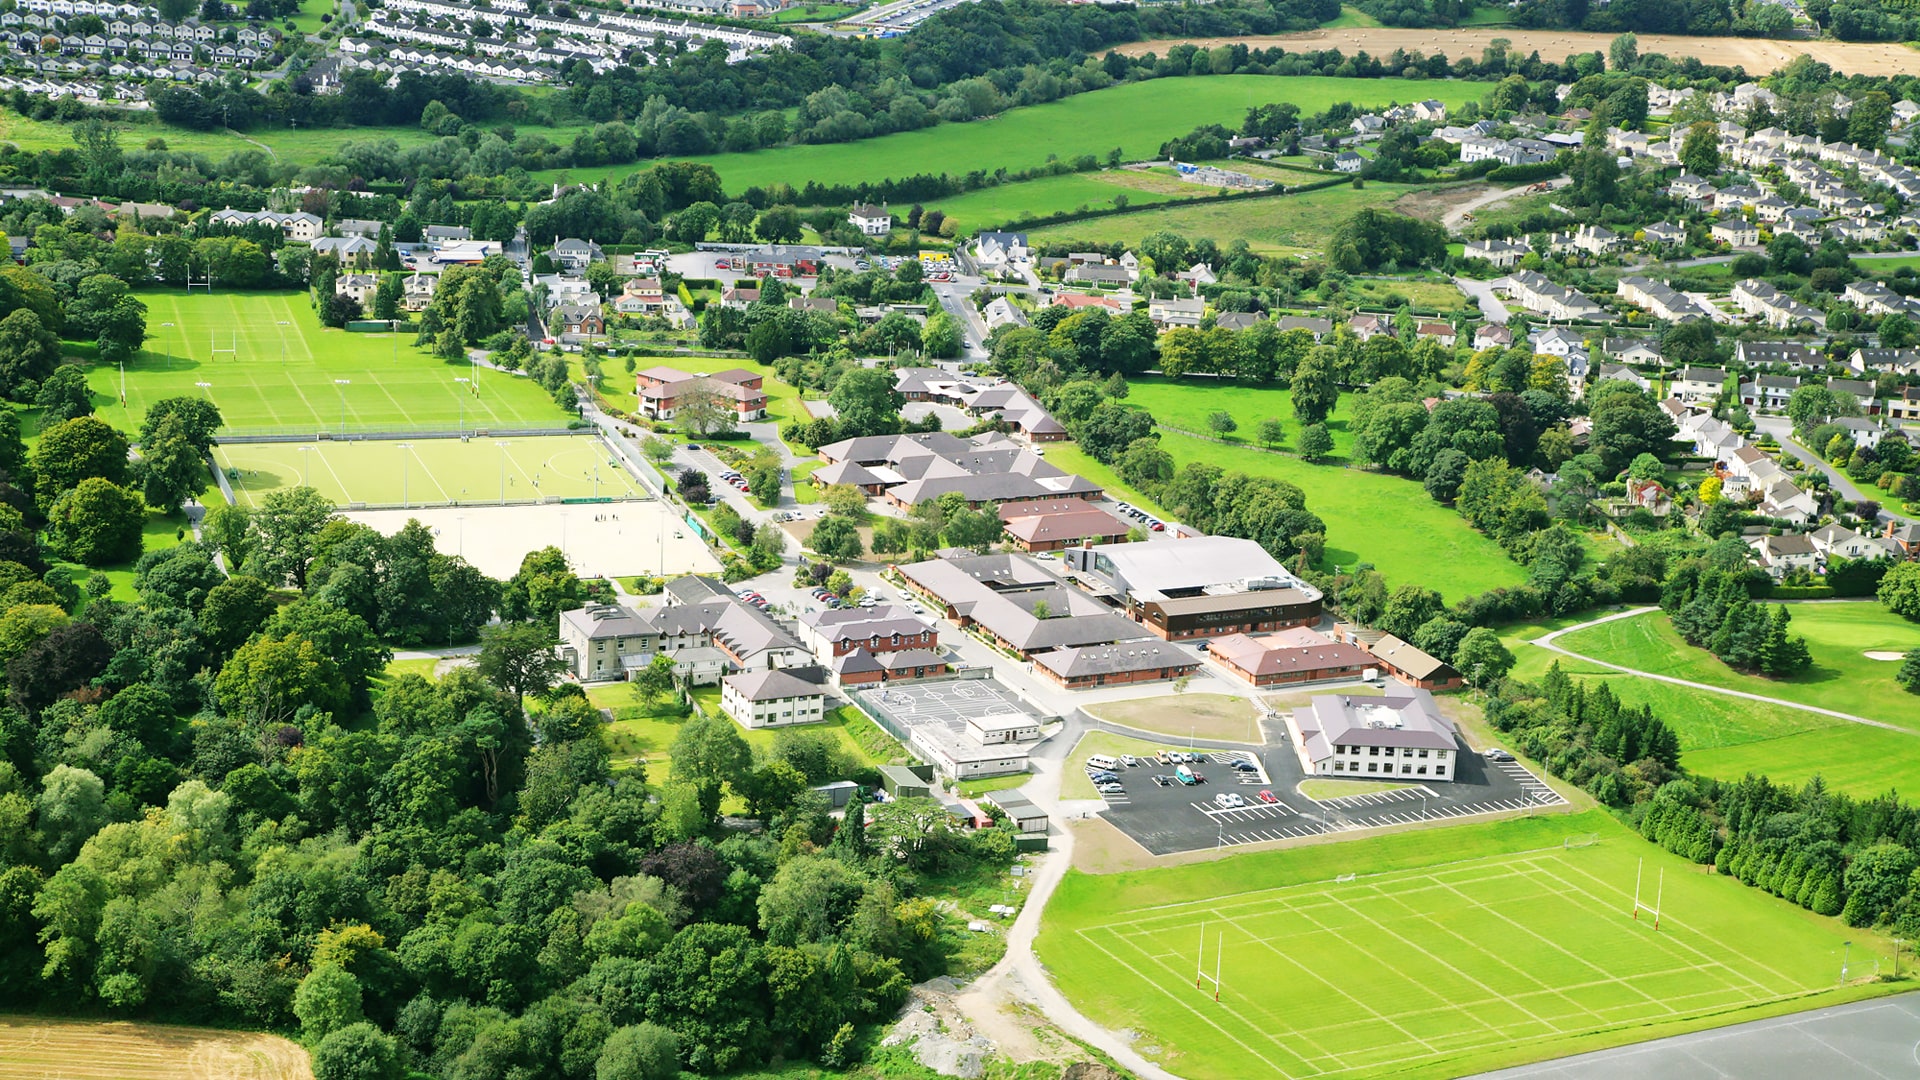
{"type": "Point", "coordinates": [1197, 587]}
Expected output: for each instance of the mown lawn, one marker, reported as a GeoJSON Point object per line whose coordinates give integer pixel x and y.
{"type": "Point", "coordinates": [1136, 118]}
{"type": "Point", "coordinates": [1444, 952]}
{"type": "Point", "coordinates": [1838, 634]}
{"type": "Point", "coordinates": [1189, 404]}
{"type": "Point", "coordinates": [1727, 737]}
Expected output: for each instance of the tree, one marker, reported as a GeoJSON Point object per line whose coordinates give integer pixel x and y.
{"type": "Point", "coordinates": [1272, 432]}
{"type": "Point", "coordinates": [1700, 150]}
{"type": "Point", "coordinates": [836, 539]}
{"type": "Point", "coordinates": [1596, 174]}
{"type": "Point", "coordinates": [1623, 52]}
{"type": "Point", "coordinates": [709, 752]}
{"type": "Point", "coordinates": [1900, 590]}
{"type": "Point", "coordinates": [195, 419]}
{"type": "Point", "coordinates": [64, 395]}
{"type": "Point", "coordinates": [658, 450]}
{"type": "Point", "coordinates": [284, 530]}
{"type": "Point", "coordinates": [518, 657]}
{"type": "Point", "coordinates": [327, 1000]}
{"type": "Point", "coordinates": [28, 352]}
{"type": "Point", "coordinates": [655, 681]}
{"type": "Point", "coordinates": [865, 403]}
{"type": "Point", "coordinates": [232, 612]}
{"type": "Point", "coordinates": [1445, 474]}
{"type": "Point", "coordinates": [1482, 658]}
{"type": "Point", "coordinates": [1221, 422]}
{"type": "Point", "coordinates": [1408, 609]}
{"type": "Point", "coordinates": [1314, 392]}
{"type": "Point", "coordinates": [1909, 673]}
{"type": "Point", "coordinates": [1315, 442]}
{"type": "Point", "coordinates": [1812, 405]}
{"type": "Point", "coordinates": [637, 1052]}
{"type": "Point", "coordinates": [357, 1051]}
{"type": "Point", "coordinates": [170, 467]}
{"type": "Point", "coordinates": [96, 523]}
{"type": "Point", "coordinates": [74, 450]}
{"type": "Point", "coordinates": [778, 225]}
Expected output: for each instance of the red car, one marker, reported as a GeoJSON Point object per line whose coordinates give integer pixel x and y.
{"type": "Point", "coordinates": [1268, 796]}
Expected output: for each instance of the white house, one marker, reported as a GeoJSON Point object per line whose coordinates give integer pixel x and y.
{"type": "Point", "coordinates": [870, 220]}
{"type": "Point", "coordinates": [772, 698]}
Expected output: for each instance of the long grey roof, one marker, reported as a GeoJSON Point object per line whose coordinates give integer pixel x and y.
{"type": "Point", "coordinates": [1403, 717]}
{"type": "Point", "coordinates": [771, 684]}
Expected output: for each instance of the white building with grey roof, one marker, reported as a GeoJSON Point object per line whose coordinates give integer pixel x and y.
{"type": "Point", "coordinates": [1400, 735]}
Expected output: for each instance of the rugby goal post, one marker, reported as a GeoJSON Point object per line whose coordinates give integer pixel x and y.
{"type": "Point", "coordinates": [1583, 840]}
{"type": "Point", "coordinates": [214, 350]}
{"type": "Point", "coordinates": [1658, 894]}
{"type": "Point", "coordinates": [1200, 976]}
{"type": "Point", "coordinates": [1342, 879]}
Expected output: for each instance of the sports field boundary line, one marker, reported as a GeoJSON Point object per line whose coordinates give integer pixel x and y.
{"type": "Point", "coordinates": [1360, 877]}
{"type": "Point", "coordinates": [1202, 1017]}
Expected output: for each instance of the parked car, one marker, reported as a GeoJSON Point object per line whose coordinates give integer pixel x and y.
{"type": "Point", "coordinates": [1497, 754]}
{"type": "Point", "coordinates": [1227, 800]}
{"type": "Point", "coordinates": [1129, 760]}
{"type": "Point", "coordinates": [1244, 765]}
{"type": "Point", "coordinates": [1162, 779]}
{"type": "Point", "coordinates": [1109, 788]}
{"type": "Point", "coordinates": [1268, 796]}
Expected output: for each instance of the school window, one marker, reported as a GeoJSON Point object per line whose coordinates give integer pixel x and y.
{"type": "Point", "coordinates": [1373, 766]}
{"type": "Point", "coordinates": [1423, 753]}
{"type": "Point", "coordinates": [1423, 770]}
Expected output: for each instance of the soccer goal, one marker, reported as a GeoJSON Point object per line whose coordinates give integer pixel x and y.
{"type": "Point", "coordinates": [1344, 878]}
{"type": "Point", "coordinates": [1659, 893]}
{"type": "Point", "coordinates": [1583, 840]}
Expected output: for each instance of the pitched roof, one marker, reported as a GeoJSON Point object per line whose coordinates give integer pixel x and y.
{"type": "Point", "coordinates": [1406, 658]}
{"type": "Point", "coordinates": [771, 684]}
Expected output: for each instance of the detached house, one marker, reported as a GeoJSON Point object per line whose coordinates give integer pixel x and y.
{"type": "Point", "coordinates": [870, 220]}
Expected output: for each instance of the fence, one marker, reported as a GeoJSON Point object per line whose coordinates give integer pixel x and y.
{"type": "Point", "coordinates": [303, 435]}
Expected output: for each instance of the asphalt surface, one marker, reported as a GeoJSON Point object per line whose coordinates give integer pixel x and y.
{"type": "Point", "coordinates": [1175, 817]}
{"type": "Point", "coordinates": [1868, 1039]}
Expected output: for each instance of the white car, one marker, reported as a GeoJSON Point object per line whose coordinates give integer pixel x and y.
{"type": "Point", "coordinates": [1227, 800]}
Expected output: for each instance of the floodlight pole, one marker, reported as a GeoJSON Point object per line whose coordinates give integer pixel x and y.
{"type": "Point", "coordinates": [306, 463]}
{"type": "Point", "coordinates": [343, 384]}
{"type": "Point", "coordinates": [207, 388]}
{"type": "Point", "coordinates": [168, 347]}
{"type": "Point", "coordinates": [405, 474]}
{"type": "Point", "coordinates": [462, 424]}
{"type": "Point", "coordinates": [123, 382]}
{"type": "Point", "coordinates": [1845, 956]}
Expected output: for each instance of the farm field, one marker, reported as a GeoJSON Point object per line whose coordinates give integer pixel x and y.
{"type": "Point", "coordinates": [34, 1048]}
{"type": "Point", "coordinates": [1838, 634]}
{"type": "Point", "coordinates": [1494, 946]}
{"type": "Point", "coordinates": [1757, 55]}
{"type": "Point", "coordinates": [1136, 117]}
{"type": "Point", "coordinates": [284, 376]}
{"type": "Point", "coordinates": [1006, 204]}
{"type": "Point", "coordinates": [1277, 225]}
{"type": "Point", "coordinates": [428, 472]}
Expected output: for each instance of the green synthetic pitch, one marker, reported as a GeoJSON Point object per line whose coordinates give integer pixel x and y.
{"type": "Point", "coordinates": [281, 376]}
{"type": "Point", "coordinates": [428, 472]}
{"type": "Point", "coordinates": [1448, 952]}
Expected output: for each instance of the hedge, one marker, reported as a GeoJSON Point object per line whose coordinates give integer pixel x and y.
{"type": "Point", "coordinates": [1525, 174]}
{"type": "Point", "coordinates": [1799, 592]}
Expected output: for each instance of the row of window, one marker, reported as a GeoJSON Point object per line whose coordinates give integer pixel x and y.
{"type": "Point", "coordinates": [1376, 767]}
{"type": "Point", "coordinates": [1375, 751]}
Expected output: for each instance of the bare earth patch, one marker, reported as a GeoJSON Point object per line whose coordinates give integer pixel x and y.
{"type": "Point", "coordinates": [1879, 654]}
{"type": "Point", "coordinates": [32, 1048]}
{"type": "Point", "coordinates": [1757, 56]}
{"type": "Point", "coordinates": [1203, 716]}
{"type": "Point", "coordinates": [1432, 204]}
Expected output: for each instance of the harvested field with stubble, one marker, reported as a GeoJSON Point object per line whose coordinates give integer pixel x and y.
{"type": "Point", "coordinates": [33, 1048]}
{"type": "Point", "coordinates": [1759, 56]}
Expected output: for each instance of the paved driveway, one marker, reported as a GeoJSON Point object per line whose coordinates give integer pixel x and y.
{"type": "Point", "coordinates": [1172, 818]}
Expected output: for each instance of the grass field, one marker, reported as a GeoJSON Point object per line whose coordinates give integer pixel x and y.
{"type": "Point", "coordinates": [1187, 405]}
{"type": "Point", "coordinates": [33, 1048]}
{"type": "Point", "coordinates": [1282, 224]}
{"type": "Point", "coordinates": [298, 146]}
{"type": "Point", "coordinates": [1136, 117]}
{"type": "Point", "coordinates": [1838, 635]}
{"type": "Point", "coordinates": [1350, 16]}
{"type": "Point", "coordinates": [1727, 737]}
{"type": "Point", "coordinates": [1448, 953]}
{"type": "Point", "coordinates": [1206, 716]}
{"type": "Point", "coordinates": [287, 371]}
{"type": "Point", "coordinates": [1004, 204]}
{"type": "Point", "coordinates": [636, 739]}
{"type": "Point", "coordinates": [428, 472]}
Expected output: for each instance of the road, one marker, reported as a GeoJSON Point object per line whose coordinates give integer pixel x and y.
{"type": "Point", "coordinates": [1482, 293]}
{"type": "Point", "coordinates": [1871, 1040]}
{"type": "Point", "coordinates": [1547, 641]}
{"type": "Point", "coordinates": [1457, 216]}
{"type": "Point", "coordinates": [1782, 431]}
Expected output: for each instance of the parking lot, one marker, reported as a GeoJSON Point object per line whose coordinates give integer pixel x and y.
{"type": "Point", "coordinates": [1169, 818]}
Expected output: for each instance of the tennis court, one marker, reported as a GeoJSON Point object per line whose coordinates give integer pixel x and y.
{"type": "Point", "coordinates": [430, 472]}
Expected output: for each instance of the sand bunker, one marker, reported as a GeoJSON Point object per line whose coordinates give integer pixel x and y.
{"type": "Point", "coordinates": [1878, 654]}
